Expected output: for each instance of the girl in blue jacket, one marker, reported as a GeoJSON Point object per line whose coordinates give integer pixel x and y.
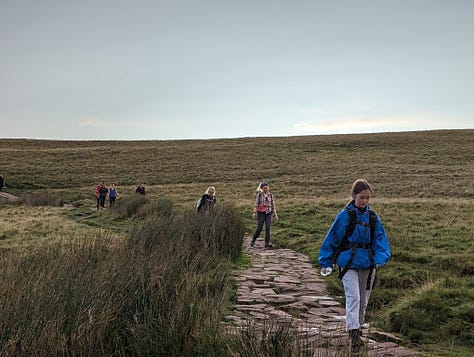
{"type": "Point", "coordinates": [358, 253]}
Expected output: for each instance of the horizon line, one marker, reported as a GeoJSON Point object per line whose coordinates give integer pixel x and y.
{"type": "Point", "coordinates": [243, 137]}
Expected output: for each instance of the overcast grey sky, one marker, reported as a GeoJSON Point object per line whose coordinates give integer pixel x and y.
{"type": "Point", "coordinates": [143, 69]}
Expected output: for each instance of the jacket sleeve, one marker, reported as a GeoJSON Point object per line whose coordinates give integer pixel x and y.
{"type": "Point", "coordinates": [381, 246]}
{"type": "Point", "coordinates": [333, 238]}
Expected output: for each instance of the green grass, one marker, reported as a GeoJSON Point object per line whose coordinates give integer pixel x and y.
{"type": "Point", "coordinates": [423, 194]}
{"type": "Point", "coordinates": [160, 291]}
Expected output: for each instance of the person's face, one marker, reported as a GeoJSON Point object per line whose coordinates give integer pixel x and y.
{"type": "Point", "coordinates": [362, 198]}
{"type": "Point", "coordinates": [211, 191]}
{"type": "Point", "coordinates": [265, 188]}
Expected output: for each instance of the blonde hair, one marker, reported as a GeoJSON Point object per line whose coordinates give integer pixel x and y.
{"type": "Point", "coordinates": [209, 188]}
{"type": "Point", "coordinates": [261, 184]}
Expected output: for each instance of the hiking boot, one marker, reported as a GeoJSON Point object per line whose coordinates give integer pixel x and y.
{"type": "Point", "coordinates": [252, 243]}
{"type": "Point", "coordinates": [356, 341]}
{"type": "Point", "coordinates": [268, 245]}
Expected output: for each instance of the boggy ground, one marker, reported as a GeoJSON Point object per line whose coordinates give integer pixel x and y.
{"type": "Point", "coordinates": [282, 286]}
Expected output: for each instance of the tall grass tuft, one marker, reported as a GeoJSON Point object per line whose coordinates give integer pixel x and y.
{"type": "Point", "coordinates": [129, 206]}
{"type": "Point", "coordinates": [160, 292]}
{"type": "Point", "coordinates": [43, 198]}
{"type": "Point", "coordinates": [440, 308]}
{"type": "Point", "coordinates": [274, 339]}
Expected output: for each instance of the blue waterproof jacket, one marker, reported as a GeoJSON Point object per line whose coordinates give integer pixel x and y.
{"type": "Point", "coordinates": [360, 235]}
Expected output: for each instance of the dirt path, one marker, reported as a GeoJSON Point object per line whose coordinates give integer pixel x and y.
{"type": "Point", "coordinates": [9, 197]}
{"type": "Point", "coordinates": [283, 286]}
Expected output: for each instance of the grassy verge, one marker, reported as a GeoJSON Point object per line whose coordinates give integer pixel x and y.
{"type": "Point", "coordinates": [160, 291]}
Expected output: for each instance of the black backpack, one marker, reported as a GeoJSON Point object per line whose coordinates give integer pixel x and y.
{"type": "Point", "coordinates": [103, 191]}
{"type": "Point", "coordinates": [346, 245]}
{"type": "Point", "coordinates": [199, 204]}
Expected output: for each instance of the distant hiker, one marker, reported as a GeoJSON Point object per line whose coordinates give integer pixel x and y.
{"type": "Point", "coordinates": [264, 210]}
{"type": "Point", "coordinates": [207, 201]}
{"type": "Point", "coordinates": [140, 189]}
{"type": "Point", "coordinates": [102, 195]}
{"type": "Point", "coordinates": [357, 243]}
{"type": "Point", "coordinates": [112, 194]}
{"type": "Point", "coordinates": [2, 181]}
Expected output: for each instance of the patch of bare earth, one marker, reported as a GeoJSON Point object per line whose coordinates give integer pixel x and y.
{"type": "Point", "coordinates": [9, 197]}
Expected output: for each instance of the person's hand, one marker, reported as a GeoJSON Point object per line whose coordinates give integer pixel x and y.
{"type": "Point", "coordinates": [253, 215]}
{"type": "Point", "coordinates": [326, 271]}
{"type": "Point", "coordinates": [276, 216]}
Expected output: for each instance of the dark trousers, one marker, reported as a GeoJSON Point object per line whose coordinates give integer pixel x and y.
{"type": "Point", "coordinates": [102, 201]}
{"type": "Point", "coordinates": [261, 219]}
{"type": "Point", "coordinates": [112, 200]}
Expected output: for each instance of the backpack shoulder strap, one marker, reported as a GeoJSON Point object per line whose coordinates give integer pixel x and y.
{"type": "Point", "coordinates": [352, 223]}
{"type": "Point", "coordinates": [343, 246]}
{"type": "Point", "coordinates": [198, 203]}
{"type": "Point", "coordinates": [372, 224]}
{"type": "Point", "coordinates": [349, 230]}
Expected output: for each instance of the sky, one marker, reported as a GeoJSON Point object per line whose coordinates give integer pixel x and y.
{"type": "Point", "coordinates": [199, 69]}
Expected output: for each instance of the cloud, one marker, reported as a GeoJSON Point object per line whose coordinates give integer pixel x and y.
{"type": "Point", "coordinates": [375, 124]}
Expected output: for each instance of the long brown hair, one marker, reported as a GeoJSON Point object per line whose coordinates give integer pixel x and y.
{"type": "Point", "coordinates": [358, 186]}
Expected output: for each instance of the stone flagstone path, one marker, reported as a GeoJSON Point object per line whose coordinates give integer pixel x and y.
{"type": "Point", "coordinates": [283, 287]}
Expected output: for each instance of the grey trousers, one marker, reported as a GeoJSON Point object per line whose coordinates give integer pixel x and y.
{"type": "Point", "coordinates": [357, 296]}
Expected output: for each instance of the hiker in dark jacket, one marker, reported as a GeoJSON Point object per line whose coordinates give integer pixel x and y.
{"type": "Point", "coordinates": [362, 253]}
{"type": "Point", "coordinates": [140, 189]}
{"type": "Point", "coordinates": [207, 201]}
{"type": "Point", "coordinates": [103, 190]}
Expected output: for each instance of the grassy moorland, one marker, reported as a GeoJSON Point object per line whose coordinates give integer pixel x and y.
{"type": "Point", "coordinates": [423, 193]}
